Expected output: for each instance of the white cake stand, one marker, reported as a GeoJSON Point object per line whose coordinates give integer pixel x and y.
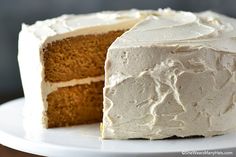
{"type": "Point", "coordinates": [85, 141]}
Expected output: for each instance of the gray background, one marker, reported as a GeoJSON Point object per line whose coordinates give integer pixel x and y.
{"type": "Point", "coordinates": [15, 12]}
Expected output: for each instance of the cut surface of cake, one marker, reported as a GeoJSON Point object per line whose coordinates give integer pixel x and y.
{"type": "Point", "coordinates": [61, 62]}
{"type": "Point", "coordinates": [172, 74]}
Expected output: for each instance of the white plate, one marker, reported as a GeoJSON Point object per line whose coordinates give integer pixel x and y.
{"type": "Point", "coordinates": [84, 140]}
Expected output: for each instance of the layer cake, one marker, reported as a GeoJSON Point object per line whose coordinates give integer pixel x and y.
{"type": "Point", "coordinates": [167, 73]}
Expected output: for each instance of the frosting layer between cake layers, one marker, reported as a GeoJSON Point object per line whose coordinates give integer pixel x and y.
{"type": "Point", "coordinates": [173, 74]}
{"type": "Point", "coordinates": [32, 40]}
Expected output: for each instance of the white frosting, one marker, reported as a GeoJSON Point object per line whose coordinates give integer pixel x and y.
{"type": "Point", "coordinates": [50, 87]}
{"type": "Point", "coordinates": [33, 38]}
{"type": "Point", "coordinates": [172, 74]}
{"type": "Point", "coordinates": [94, 23]}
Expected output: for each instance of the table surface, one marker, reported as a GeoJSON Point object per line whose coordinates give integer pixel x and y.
{"type": "Point", "coordinates": [8, 152]}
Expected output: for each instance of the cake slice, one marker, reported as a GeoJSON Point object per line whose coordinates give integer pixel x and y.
{"type": "Point", "coordinates": [61, 62]}
{"type": "Point", "coordinates": [172, 74]}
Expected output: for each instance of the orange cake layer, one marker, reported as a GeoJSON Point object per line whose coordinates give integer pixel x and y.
{"type": "Point", "coordinates": [77, 57]}
{"type": "Point", "coordinates": [79, 104]}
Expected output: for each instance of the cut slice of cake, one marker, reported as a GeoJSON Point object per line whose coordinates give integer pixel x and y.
{"type": "Point", "coordinates": [61, 62]}
{"type": "Point", "coordinates": [172, 75]}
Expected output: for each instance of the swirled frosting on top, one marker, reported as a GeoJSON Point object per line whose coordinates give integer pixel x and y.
{"type": "Point", "coordinates": [73, 25]}
{"type": "Point", "coordinates": [185, 28]}
{"type": "Point", "coordinates": [173, 74]}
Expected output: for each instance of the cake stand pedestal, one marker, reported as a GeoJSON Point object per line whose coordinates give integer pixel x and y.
{"type": "Point", "coordinates": [84, 140]}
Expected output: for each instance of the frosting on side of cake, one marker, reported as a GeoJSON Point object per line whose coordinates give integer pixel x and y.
{"type": "Point", "coordinates": [33, 38]}
{"type": "Point", "coordinates": [173, 74]}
